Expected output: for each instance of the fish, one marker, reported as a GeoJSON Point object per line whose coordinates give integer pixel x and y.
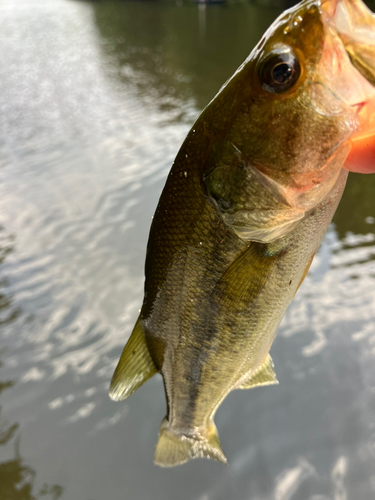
{"type": "Point", "coordinates": [245, 206]}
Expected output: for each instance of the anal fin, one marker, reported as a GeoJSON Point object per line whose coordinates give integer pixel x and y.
{"type": "Point", "coordinates": [265, 375]}
{"type": "Point", "coordinates": [134, 368]}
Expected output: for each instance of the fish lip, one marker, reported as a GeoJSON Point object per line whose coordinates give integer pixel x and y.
{"type": "Point", "coordinates": [354, 24]}
{"type": "Point", "coordinates": [352, 19]}
{"type": "Point", "coordinates": [347, 66]}
{"type": "Point", "coordinates": [358, 106]}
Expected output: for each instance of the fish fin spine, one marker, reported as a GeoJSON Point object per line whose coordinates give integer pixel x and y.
{"type": "Point", "coordinates": [304, 274]}
{"type": "Point", "coordinates": [174, 449]}
{"type": "Point", "coordinates": [265, 375]}
{"type": "Point", "coordinates": [135, 366]}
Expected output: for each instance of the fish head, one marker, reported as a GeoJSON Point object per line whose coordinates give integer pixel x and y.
{"type": "Point", "coordinates": [303, 95]}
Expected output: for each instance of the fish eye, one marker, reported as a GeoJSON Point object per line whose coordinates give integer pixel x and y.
{"type": "Point", "coordinates": [279, 71]}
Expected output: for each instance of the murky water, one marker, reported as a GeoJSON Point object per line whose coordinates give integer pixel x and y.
{"type": "Point", "coordinates": [95, 100]}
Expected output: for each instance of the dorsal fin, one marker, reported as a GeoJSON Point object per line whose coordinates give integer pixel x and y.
{"type": "Point", "coordinates": [134, 368]}
{"type": "Point", "coordinates": [265, 375]}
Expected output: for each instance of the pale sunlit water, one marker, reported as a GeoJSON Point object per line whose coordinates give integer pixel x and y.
{"type": "Point", "coordinates": [95, 100]}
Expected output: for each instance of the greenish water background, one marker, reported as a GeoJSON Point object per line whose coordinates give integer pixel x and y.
{"type": "Point", "coordinates": [95, 100]}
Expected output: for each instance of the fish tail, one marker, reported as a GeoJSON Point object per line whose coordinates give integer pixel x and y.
{"type": "Point", "coordinates": [175, 449]}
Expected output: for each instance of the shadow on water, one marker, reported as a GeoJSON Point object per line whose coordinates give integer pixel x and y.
{"type": "Point", "coordinates": [178, 53]}
{"type": "Point", "coordinates": [8, 314]}
{"type": "Point", "coordinates": [16, 478]}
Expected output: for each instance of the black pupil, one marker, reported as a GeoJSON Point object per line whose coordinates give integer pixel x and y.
{"type": "Point", "coordinates": [282, 72]}
{"type": "Point", "coordinates": [279, 71]}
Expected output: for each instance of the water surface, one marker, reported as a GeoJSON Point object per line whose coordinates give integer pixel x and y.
{"type": "Point", "coordinates": [95, 100]}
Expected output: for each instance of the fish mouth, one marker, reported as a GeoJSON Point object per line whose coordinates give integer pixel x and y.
{"type": "Point", "coordinates": [348, 61]}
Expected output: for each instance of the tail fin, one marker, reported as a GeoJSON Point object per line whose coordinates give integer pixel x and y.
{"type": "Point", "coordinates": [175, 449]}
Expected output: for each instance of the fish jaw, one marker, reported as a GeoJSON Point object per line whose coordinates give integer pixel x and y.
{"type": "Point", "coordinates": [344, 83]}
{"type": "Point", "coordinates": [349, 64]}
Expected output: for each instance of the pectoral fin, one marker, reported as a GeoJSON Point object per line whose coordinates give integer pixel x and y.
{"type": "Point", "coordinates": [265, 375]}
{"type": "Point", "coordinates": [134, 368]}
{"type": "Point", "coordinates": [242, 282]}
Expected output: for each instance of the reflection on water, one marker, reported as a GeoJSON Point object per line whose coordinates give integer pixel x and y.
{"type": "Point", "coordinates": [16, 479]}
{"type": "Point", "coordinates": [179, 55]}
{"type": "Point", "coordinates": [95, 100]}
{"type": "Point", "coordinates": [358, 201]}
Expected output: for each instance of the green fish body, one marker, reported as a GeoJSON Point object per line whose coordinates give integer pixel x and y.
{"type": "Point", "coordinates": [244, 209]}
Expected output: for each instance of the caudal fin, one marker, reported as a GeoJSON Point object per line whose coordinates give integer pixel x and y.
{"type": "Point", "coordinates": [175, 449]}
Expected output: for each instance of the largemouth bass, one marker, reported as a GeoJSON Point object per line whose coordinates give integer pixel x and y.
{"type": "Point", "coordinates": [244, 209]}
